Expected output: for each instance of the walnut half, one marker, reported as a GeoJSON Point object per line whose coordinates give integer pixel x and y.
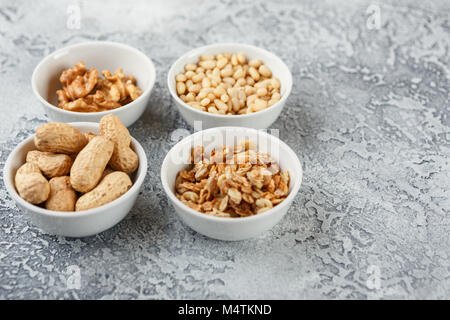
{"type": "Point", "coordinates": [83, 90]}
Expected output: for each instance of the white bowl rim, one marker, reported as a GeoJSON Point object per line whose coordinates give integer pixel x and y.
{"type": "Point", "coordinates": [72, 214]}
{"type": "Point", "coordinates": [90, 43]}
{"type": "Point", "coordinates": [281, 205]}
{"type": "Point", "coordinates": [229, 44]}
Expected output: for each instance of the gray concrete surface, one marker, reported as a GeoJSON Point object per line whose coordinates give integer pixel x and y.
{"type": "Point", "coordinates": [368, 117]}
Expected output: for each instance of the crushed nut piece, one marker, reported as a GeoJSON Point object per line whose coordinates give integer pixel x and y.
{"type": "Point", "coordinates": [232, 182]}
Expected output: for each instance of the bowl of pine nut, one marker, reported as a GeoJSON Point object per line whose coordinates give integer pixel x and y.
{"type": "Point", "coordinates": [229, 84]}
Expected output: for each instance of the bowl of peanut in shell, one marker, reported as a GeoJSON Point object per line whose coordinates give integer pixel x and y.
{"type": "Point", "coordinates": [76, 179]}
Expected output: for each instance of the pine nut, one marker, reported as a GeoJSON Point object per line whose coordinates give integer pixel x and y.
{"type": "Point", "coordinates": [195, 104]}
{"type": "Point", "coordinates": [189, 74]}
{"type": "Point", "coordinates": [204, 102]}
{"type": "Point", "coordinates": [234, 60]}
{"type": "Point", "coordinates": [264, 71]}
{"type": "Point", "coordinates": [233, 92]}
{"type": "Point", "coordinates": [215, 81]}
{"type": "Point", "coordinates": [239, 74]}
{"type": "Point", "coordinates": [241, 82]}
{"type": "Point", "coordinates": [249, 90]}
{"type": "Point", "coordinates": [275, 83]}
{"type": "Point", "coordinates": [260, 105]}
{"type": "Point", "coordinates": [255, 63]}
{"type": "Point", "coordinates": [251, 99]}
{"type": "Point", "coordinates": [216, 72]}
{"type": "Point", "coordinates": [181, 88]}
{"type": "Point", "coordinates": [226, 72]}
{"type": "Point", "coordinates": [190, 67]}
{"type": "Point", "coordinates": [206, 83]}
{"type": "Point", "coordinates": [180, 78]}
{"type": "Point", "coordinates": [260, 84]}
{"type": "Point", "coordinates": [250, 107]}
{"type": "Point", "coordinates": [224, 98]}
{"type": "Point", "coordinates": [202, 94]}
{"type": "Point", "coordinates": [236, 104]}
{"type": "Point", "coordinates": [195, 88]}
{"type": "Point", "coordinates": [204, 57]}
{"type": "Point", "coordinates": [213, 110]}
{"type": "Point", "coordinates": [208, 64]}
{"type": "Point", "coordinates": [230, 106]}
{"type": "Point", "coordinates": [220, 104]}
{"type": "Point", "coordinates": [219, 91]}
{"type": "Point", "coordinates": [190, 97]}
{"type": "Point", "coordinates": [226, 85]}
{"type": "Point", "coordinates": [254, 73]}
{"type": "Point", "coordinates": [198, 77]}
{"type": "Point", "coordinates": [261, 92]}
{"type": "Point", "coordinates": [241, 58]}
{"type": "Point", "coordinates": [229, 80]}
{"type": "Point", "coordinates": [221, 63]}
{"type": "Point", "coordinates": [241, 95]}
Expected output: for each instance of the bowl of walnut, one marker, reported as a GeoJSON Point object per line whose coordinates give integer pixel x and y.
{"type": "Point", "coordinates": [230, 84]}
{"type": "Point", "coordinates": [231, 183]}
{"type": "Point", "coordinates": [85, 81]}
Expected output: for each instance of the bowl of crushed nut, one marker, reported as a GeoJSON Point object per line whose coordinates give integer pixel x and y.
{"type": "Point", "coordinates": [230, 84]}
{"type": "Point", "coordinates": [85, 81]}
{"type": "Point", "coordinates": [231, 183]}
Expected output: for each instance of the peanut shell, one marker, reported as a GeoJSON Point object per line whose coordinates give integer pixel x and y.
{"type": "Point", "coordinates": [51, 164]}
{"type": "Point", "coordinates": [62, 196]}
{"type": "Point", "coordinates": [31, 184]}
{"type": "Point", "coordinates": [59, 137]}
{"type": "Point", "coordinates": [123, 158]}
{"type": "Point", "coordinates": [110, 188]}
{"type": "Point", "coordinates": [88, 167]}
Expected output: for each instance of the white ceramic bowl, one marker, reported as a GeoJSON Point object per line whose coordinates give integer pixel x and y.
{"type": "Point", "coordinates": [100, 55]}
{"type": "Point", "coordinates": [258, 120]}
{"type": "Point", "coordinates": [230, 228]}
{"type": "Point", "coordinates": [74, 224]}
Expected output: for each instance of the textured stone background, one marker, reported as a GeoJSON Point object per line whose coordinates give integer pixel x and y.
{"type": "Point", "coordinates": [368, 116]}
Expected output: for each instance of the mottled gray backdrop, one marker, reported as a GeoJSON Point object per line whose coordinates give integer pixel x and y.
{"type": "Point", "coordinates": [368, 116]}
